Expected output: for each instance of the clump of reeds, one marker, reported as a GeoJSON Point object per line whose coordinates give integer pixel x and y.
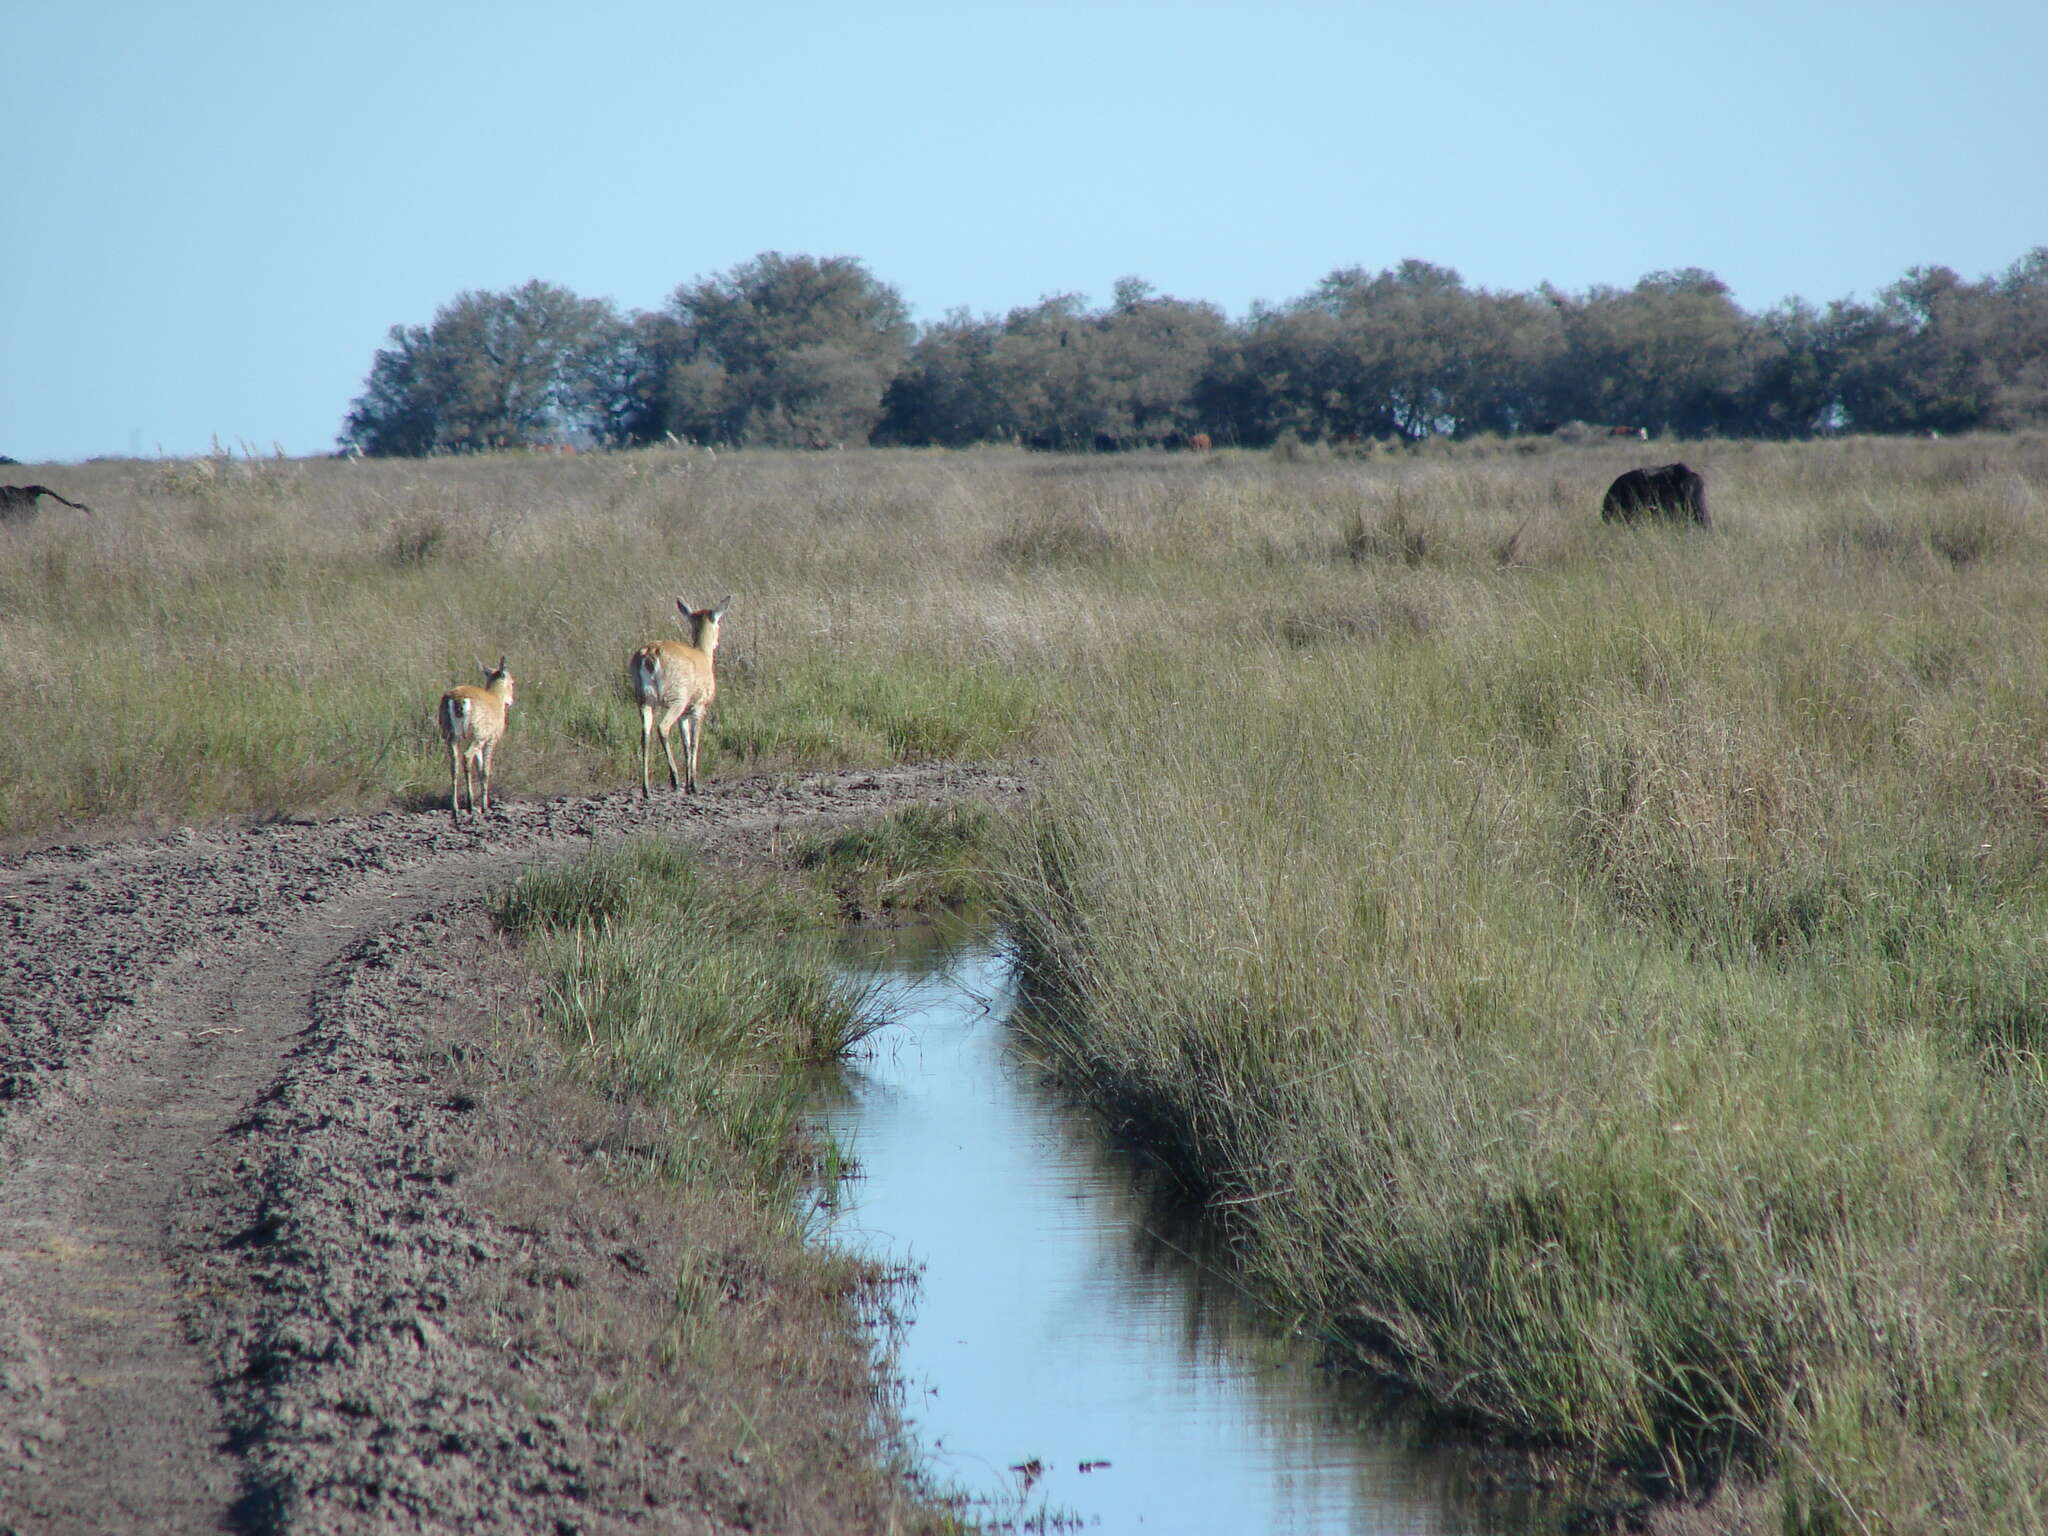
{"type": "Point", "coordinates": [923, 859]}
{"type": "Point", "coordinates": [711, 998]}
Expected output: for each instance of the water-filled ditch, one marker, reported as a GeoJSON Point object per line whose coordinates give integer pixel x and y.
{"type": "Point", "coordinates": [1070, 1361]}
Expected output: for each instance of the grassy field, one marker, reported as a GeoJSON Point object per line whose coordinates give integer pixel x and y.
{"type": "Point", "coordinates": [1597, 975]}
{"type": "Point", "coordinates": [227, 637]}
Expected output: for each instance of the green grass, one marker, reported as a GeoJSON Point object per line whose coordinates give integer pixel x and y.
{"type": "Point", "coordinates": [713, 996]}
{"type": "Point", "coordinates": [710, 998]}
{"type": "Point", "coordinates": [922, 860]}
{"type": "Point", "coordinates": [825, 712]}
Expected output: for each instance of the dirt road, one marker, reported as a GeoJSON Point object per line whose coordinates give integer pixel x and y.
{"type": "Point", "coordinates": [235, 1245]}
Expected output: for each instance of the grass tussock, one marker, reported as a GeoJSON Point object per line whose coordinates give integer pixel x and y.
{"type": "Point", "coordinates": [710, 998]}
{"type": "Point", "coordinates": [923, 860]}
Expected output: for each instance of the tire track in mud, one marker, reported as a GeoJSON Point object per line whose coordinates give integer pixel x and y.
{"type": "Point", "coordinates": [180, 1021]}
{"type": "Point", "coordinates": [128, 1432]}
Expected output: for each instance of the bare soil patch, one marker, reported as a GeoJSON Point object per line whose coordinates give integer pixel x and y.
{"type": "Point", "coordinates": [297, 1232]}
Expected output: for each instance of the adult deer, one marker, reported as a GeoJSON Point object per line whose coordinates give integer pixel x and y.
{"type": "Point", "coordinates": [674, 681]}
{"type": "Point", "coordinates": [473, 722]}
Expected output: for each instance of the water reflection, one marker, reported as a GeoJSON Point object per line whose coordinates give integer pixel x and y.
{"type": "Point", "coordinates": [1061, 1330]}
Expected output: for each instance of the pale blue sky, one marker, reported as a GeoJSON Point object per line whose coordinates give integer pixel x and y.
{"type": "Point", "coordinates": [215, 212]}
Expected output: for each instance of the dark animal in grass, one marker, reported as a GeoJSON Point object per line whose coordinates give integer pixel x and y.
{"type": "Point", "coordinates": [1667, 493]}
{"type": "Point", "coordinates": [20, 500]}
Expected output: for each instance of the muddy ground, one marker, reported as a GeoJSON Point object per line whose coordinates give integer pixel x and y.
{"type": "Point", "coordinates": [256, 1272]}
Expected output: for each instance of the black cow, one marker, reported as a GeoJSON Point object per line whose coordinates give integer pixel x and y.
{"type": "Point", "coordinates": [1669, 492]}
{"type": "Point", "coordinates": [20, 500]}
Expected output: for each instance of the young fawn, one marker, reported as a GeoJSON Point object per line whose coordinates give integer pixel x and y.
{"type": "Point", "coordinates": [673, 681]}
{"type": "Point", "coordinates": [473, 722]}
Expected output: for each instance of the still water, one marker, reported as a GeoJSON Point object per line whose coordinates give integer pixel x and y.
{"type": "Point", "coordinates": [1069, 1364]}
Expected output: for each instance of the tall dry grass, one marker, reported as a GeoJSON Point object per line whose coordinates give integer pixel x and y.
{"type": "Point", "coordinates": [1610, 994]}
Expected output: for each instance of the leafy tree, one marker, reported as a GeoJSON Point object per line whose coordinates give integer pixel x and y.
{"type": "Point", "coordinates": [1503, 343]}
{"type": "Point", "coordinates": [494, 370]}
{"type": "Point", "coordinates": [785, 350]}
{"type": "Point", "coordinates": [1794, 377]}
{"type": "Point", "coordinates": [1327, 372]}
{"type": "Point", "coordinates": [1059, 375]}
{"type": "Point", "coordinates": [397, 414]}
{"type": "Point", "coordinates": [799, 350]}
{"type": "Point", "coordinates": [1926, 357]}
{"type": "Point", "coordinates": [622, 384]}
{"type": "Point", "coordinates": [1398, 333]}
{"type": "Point", "coordinates": [1048, 375]}
{"type": "Point", "coordinates": [1232, 400]}
{"type": "Point", "coordinates": [1674, 353]}
{"type": "Point", "coordinates": [1152, 350]}
{"type": "Point", "coordinates": [1408, 352]}
{"type": "Point", "coordinates": [950, 392]}
{"type": "Point", "coordinates": [2020, 397]}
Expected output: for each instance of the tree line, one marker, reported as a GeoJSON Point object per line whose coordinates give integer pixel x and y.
{"type": "Point", "coordinates": [802, 351]}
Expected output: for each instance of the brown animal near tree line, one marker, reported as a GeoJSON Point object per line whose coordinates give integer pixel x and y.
{"type": "Point", "coordinates": [674, 681]}
{"type": "Point", "coordinates": [20, 500]}
{"type": "Point", "coordinates": [473, 722]}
